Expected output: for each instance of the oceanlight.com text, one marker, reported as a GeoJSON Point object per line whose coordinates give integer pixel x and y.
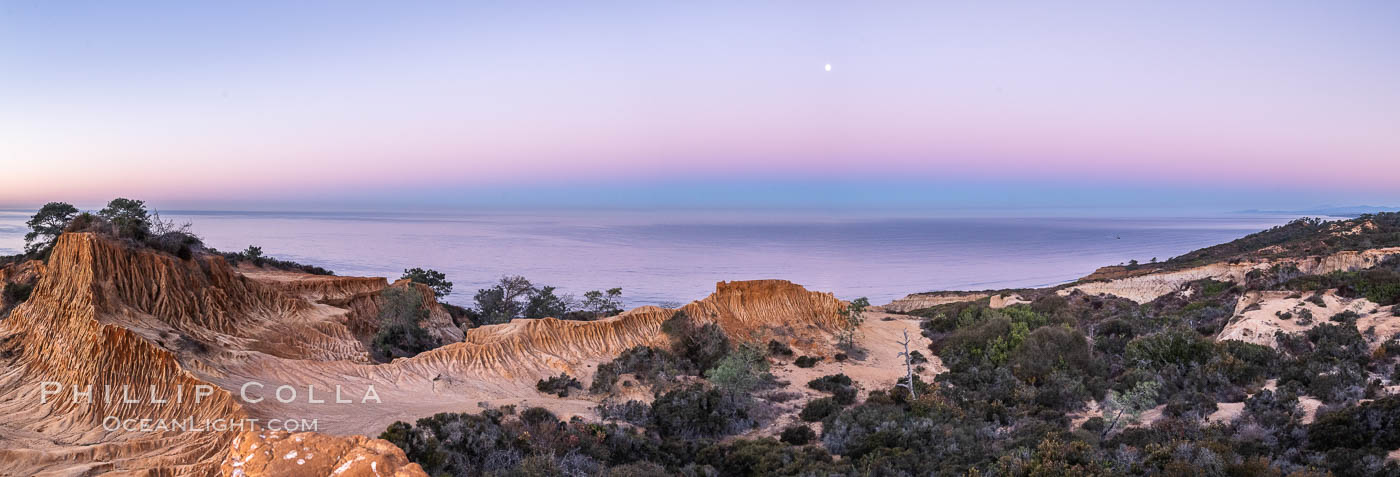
{"type": "Point", "coordinates": [190, 424]}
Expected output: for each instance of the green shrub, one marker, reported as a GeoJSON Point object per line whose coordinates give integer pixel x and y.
{"type": "Point", "coordinates": [806, 361]}
{"type": "Point", "coordinates": [1182, 405]}
{"type": "Point", "coordinates": [1346, 316]}
{"type": "Point", "coordinates": [830, 383]}
{"type": "Point", "coordinates": [558, 385]}
{"type": "Point", "coordinates": [765, 457]}
{"type": "Point", "coordinates": [695, 412]}
{"type": "Point", "coordinates": [399, 333]}
{"type": "Point", "coordinates": [798, 435]}
{"type": "Point", "coordinates": [537, 415]}
{"type": "Point", "coordinates": [839, 385]}
{"type": "Point", "coordinates": [776, 348]}
{"type": "Point", "coordinates": [652, 366]}
{"type": "Point", "coordinates": [634, 412]}
{"type": "Point", "coordinates": [818, 409]}
{"type": "Point", "coordinates": [1094, 424]}
{"type": "Point", "coordinates": [743, 370]}
{"type": "Point", "coordinates": [988, 340]}
{"type": "Point", "coordinates": [1049, 303]}
{"type": "Point", "coordinates": [1049, 349]}
{"type": "Point", "coordinates": [1171, 347]}
{"type": "Point", "coordinates": [703, 345]}
{"type": "Point", "coordinates": [1244, 363]}
{"type": "Point", "coordinates": [16, 292]}
{"type": "Point", "coordinates": [1211, 288]}
{"type": "Point", "coordinates": [1372, 425]}
{"type": "Point", "coordinates": [638, 469]}
{"type": "Point", "coordinates": [845, 396]}
{"type": "Point", "coordinates": [1328, 360]}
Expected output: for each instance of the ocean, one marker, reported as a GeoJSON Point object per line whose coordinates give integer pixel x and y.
{"type": "Point", "coordinates": [676, 257]}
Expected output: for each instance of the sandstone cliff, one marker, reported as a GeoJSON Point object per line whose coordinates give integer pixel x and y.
{"type": "Point", "coordinates": [925, 300]}
{"type": "Point", "coordinates": [1145, 288]}
{"type": "Point", "coordinates": [103, 317]}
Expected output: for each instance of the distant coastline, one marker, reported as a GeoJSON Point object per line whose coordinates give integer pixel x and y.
{"type": "Point", "coordinates": [1350, 211]}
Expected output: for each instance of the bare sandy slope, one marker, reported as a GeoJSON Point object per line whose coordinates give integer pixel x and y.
{"type": "Point", "coordinates": [1260, 315]}
{"type": "Point", "coordinates": [880, 367]}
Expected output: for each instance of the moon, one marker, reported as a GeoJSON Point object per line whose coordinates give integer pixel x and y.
{"type": "Point", "coordinates": [828, 66]}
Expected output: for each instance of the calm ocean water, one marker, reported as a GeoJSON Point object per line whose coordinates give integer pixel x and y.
{"type": "Point", "coordinates": [677, 257]}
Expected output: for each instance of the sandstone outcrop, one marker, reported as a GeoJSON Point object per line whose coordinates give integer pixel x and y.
{"type": "Point", "coordinates": [111, 321]}
{"type": "Point", "coordinates": [1145, 288]}
{"type": "Point", "coordinates": [925, 300]}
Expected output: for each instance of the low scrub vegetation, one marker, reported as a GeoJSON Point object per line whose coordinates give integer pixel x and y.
{"type": "Point", "coordinates": [16, 292]}
{"type": "Point", "coordinates": [254, 255]}
{"type": "Point", "coordinates": [1305, 236]}
{"type": "Point", "coordinates": [1015, 376]}
{"type": "Point", "coordinates": [12, 295]}
{"type": "Point", "coordinates": [1380, 284]}
{"type": "Point", "coordinates": [558, 385]}
{"type": "Point", "coordinates": [655, 367]}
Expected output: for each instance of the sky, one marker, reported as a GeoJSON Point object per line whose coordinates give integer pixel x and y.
{"type": "Point", "coordinates": [927, 104]}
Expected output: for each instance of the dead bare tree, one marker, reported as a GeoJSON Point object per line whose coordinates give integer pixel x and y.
{"type": "Point", "coordinates": [908, 367]}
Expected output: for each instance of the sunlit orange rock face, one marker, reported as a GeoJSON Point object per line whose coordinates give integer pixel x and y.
{"type": "Point", "coordinates": [107, 315]}
{"type": "Point", "coordinates": [273, 453]}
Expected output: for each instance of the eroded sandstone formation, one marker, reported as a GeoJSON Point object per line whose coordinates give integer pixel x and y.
{"type": "Point", "coordinates": [94, 324]}
{"type": "Point", "coordinates": [107, 315]}
{"type": "Point", "coordinates": [925, 300]}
